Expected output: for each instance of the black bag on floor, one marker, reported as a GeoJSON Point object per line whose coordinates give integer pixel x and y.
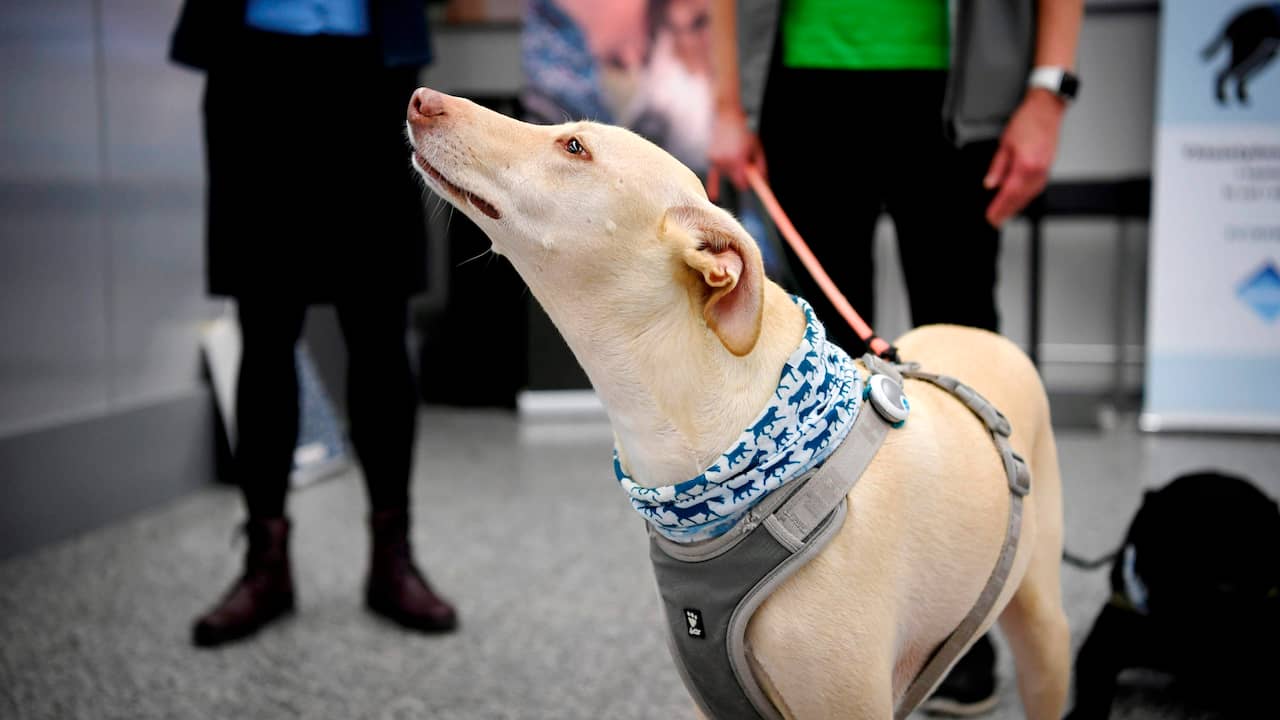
{"type": "Point", "coordinates": [1196, 595]}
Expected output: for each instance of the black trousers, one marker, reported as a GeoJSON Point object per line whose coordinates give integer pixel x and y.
{"type": "Point", "coordinates": [381, 402]}
{"type": "Point", "coordinates": [842, 146]}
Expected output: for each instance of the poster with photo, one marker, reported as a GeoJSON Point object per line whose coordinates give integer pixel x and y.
{"type": "Point", "coordinates": [643, 64]}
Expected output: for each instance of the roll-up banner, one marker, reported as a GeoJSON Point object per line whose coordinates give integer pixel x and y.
{"type": "Point", "coordinates": [1213, 333]}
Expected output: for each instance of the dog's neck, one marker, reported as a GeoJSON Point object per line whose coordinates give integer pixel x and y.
{"type": "Point", "coordinates": [675, 396]}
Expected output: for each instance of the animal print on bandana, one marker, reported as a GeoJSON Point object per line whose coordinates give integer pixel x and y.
{"type": "Point", "coordinates": [818, 397]}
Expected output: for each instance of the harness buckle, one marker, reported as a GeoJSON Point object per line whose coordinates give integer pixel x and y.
{"type": "Point", "coordinates": [1019, 475]}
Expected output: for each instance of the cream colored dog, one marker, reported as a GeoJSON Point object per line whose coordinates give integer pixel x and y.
{"type": "Point", "coordinates": [662, 297]}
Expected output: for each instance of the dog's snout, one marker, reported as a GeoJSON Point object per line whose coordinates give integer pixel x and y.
{"type": "Point", "coordinates": [425, 105]}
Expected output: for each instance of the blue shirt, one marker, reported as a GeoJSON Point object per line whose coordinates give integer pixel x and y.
{"type": "Point", "coordinates": [309, 17]}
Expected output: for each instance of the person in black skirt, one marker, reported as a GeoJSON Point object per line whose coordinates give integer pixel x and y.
{"type": "Point", "coordinates": [311, 200]}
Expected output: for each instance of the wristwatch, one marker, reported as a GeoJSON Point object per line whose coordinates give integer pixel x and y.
{"type": "Point", "coordinates": [1059, 81]}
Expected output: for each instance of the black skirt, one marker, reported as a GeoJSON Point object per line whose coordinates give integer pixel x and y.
{"type": "Point", "coordinates": [311, 194]}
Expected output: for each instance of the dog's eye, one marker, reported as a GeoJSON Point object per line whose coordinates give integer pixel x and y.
{"type": "Point", "coordinates": [574, 146]}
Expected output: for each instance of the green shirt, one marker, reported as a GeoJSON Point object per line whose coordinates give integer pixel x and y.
{"type": "Point", "coordinates": [866, 34]}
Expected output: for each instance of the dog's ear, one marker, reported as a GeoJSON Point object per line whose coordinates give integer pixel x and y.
{"type": "Point", "coordinates": [729, 272]}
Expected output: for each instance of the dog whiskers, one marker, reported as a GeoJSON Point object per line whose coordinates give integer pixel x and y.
{"type": "Point", "coordinates": [487, 251]}
{"type": "Point", "coordinates": [441, 206]}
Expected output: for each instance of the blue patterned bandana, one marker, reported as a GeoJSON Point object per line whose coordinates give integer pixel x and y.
{"type": "Point", "coordinates": [818, 396]}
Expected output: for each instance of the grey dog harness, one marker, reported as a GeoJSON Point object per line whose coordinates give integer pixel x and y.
{"type": "Point", "coordinates": [711, 589]}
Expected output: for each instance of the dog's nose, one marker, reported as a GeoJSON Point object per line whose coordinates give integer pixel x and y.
{"type": "Point", "coordinates": [425, 105]}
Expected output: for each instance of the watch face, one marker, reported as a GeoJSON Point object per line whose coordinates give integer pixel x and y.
{"type": "Point", "coordinates": [1070, 85]}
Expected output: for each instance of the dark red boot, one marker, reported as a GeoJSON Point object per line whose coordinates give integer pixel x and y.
{"type": "Point", "coordinates": [262, 594]}
{"type": "Point", "coordinates": [396, 589]}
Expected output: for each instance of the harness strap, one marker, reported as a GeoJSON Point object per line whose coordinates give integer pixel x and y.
{"type": "Point", "coordinates": [1019, 478]}
{"type": "Point", "coordinates": [711, 589]}
{"type": "Point", "coordinates": [875, 364]}
{"type": "Point", "coordinates": [991, 417]}
{"type": "Point", "coordinates": [804, 511]}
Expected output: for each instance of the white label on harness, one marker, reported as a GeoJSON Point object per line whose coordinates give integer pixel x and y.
{"type": "Point", "coordinates": [694, 619]}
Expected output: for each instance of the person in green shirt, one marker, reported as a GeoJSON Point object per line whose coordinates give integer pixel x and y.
{"type": "Point", "coordinates": [865, 34]}
{"type": "Point", "coordinates": [871, 106]}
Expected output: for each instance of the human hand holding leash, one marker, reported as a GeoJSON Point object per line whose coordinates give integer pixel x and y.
{"type": "Point", "coordinates": [734, 149]}
{"type": "Point", "coordinates": [1020, 167]}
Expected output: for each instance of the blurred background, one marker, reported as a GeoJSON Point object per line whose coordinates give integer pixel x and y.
{"type": "Point", "coordinates": [115, 503]}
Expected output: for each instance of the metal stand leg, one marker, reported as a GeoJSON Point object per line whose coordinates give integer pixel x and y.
{"type": "Point", "coordinates": [1121, 323]}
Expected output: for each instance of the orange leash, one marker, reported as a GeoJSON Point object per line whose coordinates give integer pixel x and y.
{"type": "Point", "coordinates": [878, 345]}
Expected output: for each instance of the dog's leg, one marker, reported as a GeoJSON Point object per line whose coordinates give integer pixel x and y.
{"type": "Point", "coordinates": [1113, 644]}
{"type": "Point", "coordinates": [1258, 59]}
{"type": "Point", "coordinates": [1034, 622]}
{"type": "Point", "coordinates": [856, 682]}
{"type": "Point", "coordinates": [1036, 628]}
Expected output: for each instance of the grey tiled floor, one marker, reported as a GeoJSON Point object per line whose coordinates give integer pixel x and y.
{"type": "Point", "coordinates": [521, 525]}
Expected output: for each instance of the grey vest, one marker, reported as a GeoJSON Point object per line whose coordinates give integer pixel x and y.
{"type": "Point", "coordinates": [711, 589]}
{"type": "Point", "coordinates": [992, 50]}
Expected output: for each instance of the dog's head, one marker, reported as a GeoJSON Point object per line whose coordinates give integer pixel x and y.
{"type": "Point", "coordinates": [585, 211]}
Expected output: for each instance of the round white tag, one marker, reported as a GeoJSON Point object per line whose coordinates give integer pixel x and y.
{"type": "Point", "coordinates": [888, 400]}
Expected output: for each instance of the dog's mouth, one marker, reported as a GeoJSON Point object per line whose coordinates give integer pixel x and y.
{"type": "Point", "coordinates": [461, 193]}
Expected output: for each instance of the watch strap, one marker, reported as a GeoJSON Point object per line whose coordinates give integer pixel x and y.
{"type": "Point", "coordinates": [1060, 81]}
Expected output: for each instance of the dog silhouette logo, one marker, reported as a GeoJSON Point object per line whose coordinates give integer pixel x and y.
{"type": "Point", "coordinates": [693, 618]}
{"type": "Point", "coordinates": [1254, 36]}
